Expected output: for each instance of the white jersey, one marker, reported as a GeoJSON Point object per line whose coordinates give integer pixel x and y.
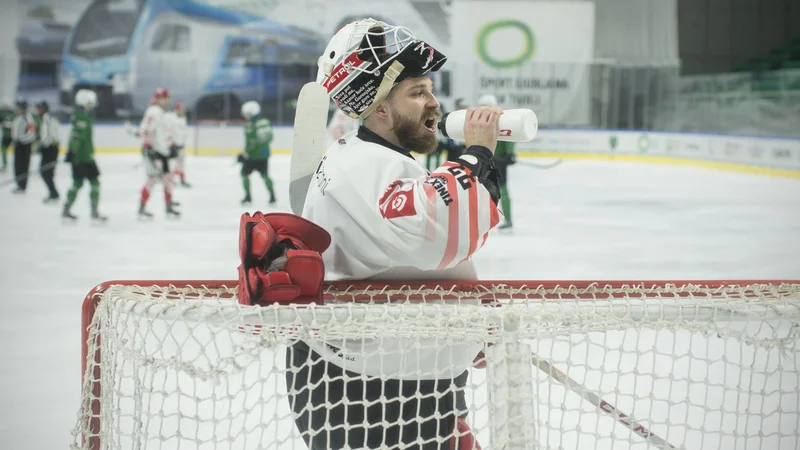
{"type": "Point", "coordinates": [49, 131]}
{"type": "Point", "coordinates": [154, 129]}
{"type": "Point", "coordinates": [339, 125]}
{"type": "Point", "coordinates": [390, 219]}
{"type": "Point", "coordinates": [23, 128]}
{"type": "Point", "coordinates": [178, 129]}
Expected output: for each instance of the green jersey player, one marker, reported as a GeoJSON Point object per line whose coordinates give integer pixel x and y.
{"type": "Point", "coordinates": [80, 153]}
{"type": "Point", "coordinates": [257, 140]}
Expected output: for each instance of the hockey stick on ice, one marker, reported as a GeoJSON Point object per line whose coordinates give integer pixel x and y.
{"type": "Point", "coordinates": [308, 143]}
{"type": "Point", "coordinates": [608, 408]}
{"type": "Point", "coordinates": [541, 166]}
{"type": "Point", "coordinates": [27, 174]}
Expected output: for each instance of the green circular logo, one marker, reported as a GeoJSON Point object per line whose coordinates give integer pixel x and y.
{"type": "Point", "coordinates": [481, 43]}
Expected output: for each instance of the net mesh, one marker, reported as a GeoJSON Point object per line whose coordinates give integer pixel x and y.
{"type": "Point", "coordinates": [574, 366]}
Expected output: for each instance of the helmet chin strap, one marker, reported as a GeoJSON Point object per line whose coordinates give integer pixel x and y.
{"type": "Point", "coordinates": [385, 87]}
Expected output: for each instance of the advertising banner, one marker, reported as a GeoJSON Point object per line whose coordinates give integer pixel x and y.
{"type": "Point", "coordinates": [532, 55]}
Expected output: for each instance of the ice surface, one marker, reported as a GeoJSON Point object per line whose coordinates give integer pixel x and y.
{"type": "Point", "coordinates": [580, 220]}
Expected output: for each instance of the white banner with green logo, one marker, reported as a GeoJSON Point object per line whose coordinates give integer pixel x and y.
{"type": "Point", "coordinates": [533, 55]}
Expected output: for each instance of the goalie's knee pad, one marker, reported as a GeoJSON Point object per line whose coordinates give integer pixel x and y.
{"type": "Point", "coordinates": [281, 259]}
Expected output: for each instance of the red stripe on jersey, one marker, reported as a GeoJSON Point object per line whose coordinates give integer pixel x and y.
{"type": "Point", "coordinates": [432, 210]}
{"type": "Point", "coordinates": [452, 223]}
{"type": "Point", "coordinates": [494, 215]}
{"type": "Point", "coordinates": [474, 232]}
{"type": "Point", "coordinates": [485, 236]}
{"type": "Point", "coordinates": [494, 219]}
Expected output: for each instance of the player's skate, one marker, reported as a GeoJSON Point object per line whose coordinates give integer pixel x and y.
{"type": "Point", "coordinates": [50, 200]}
{"type": "Point", "coordinates": [66, 215]}
{"type": "Point", "coordinates": [97, 217]}
{"type": "Point", "coordinates": [172, 213]}
{"type": "Point", "coordinates": [144, 214]}
{"type": "Point", "coordinates": [272, 200]}
{"type": "Point", "coordinates": [247, 200]}
{"type": "Point", "coordinates": [185, 184]}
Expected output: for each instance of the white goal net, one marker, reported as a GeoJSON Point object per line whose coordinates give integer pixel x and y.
{"type": "Point", "coordinates": [691, 365]}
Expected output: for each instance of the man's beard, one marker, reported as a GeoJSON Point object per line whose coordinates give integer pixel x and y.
{"type": "Point", "coordinates": [410, 134]}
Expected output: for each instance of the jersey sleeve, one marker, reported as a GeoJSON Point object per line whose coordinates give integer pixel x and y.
{"type": "Point", "coordinates": [430, 222]}
{"type": "Point", "coordinates": [263, 133]}
{"type": "Point", "coordinates": [74, 135]}
{"type": "Point", "coordinates": [147, 129]}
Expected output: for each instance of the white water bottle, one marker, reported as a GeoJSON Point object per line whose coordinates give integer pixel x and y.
{"type": "Point", "coordinates": [516, 125]}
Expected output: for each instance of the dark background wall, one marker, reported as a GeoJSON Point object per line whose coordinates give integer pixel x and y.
{"type": "Point", "coordinates": [715, 36]}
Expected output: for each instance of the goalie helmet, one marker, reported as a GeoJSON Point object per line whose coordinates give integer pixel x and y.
{"type": "Point", "coordinates": [251, 109]}
{"type": "Point", "coordinates": [367, 58]}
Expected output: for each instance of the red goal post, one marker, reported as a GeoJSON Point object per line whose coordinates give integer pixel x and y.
{"type": "Point", "coordinates": [765, 316]}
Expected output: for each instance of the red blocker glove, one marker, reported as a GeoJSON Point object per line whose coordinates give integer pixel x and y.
{"type": "Point", "coordinates": [281, 259]}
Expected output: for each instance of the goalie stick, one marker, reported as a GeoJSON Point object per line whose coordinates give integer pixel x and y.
{"type": "Point", "coordinates": [606, 407]}
{"type": "Point", "coordinates": [308, 142]}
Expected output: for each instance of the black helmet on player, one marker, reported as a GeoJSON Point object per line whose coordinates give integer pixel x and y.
{"type": "Point", "coordinates": [43, 105]}
{"type": "Point", "coordinates": [367, 58]}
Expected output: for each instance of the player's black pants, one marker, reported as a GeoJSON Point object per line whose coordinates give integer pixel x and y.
{"type": "Point", "coordinates": [22, 161]}
{"type": "Point", "coordinates": [47, 168]}
{"type": "Point", "coordinates": [410, 406]}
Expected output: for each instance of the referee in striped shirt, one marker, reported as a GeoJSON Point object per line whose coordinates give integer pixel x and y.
{"type": "Point", "coordinates": [48, 147]}
{"type": "Point", "coordinates": [23, 133]}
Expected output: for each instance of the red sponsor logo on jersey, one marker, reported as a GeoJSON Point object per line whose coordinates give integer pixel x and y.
{"type": "Point", "coordinates": [398, 202]}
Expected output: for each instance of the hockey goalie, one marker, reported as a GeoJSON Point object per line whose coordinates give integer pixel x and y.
{"type": "Point", "coordinates": [388, 218]}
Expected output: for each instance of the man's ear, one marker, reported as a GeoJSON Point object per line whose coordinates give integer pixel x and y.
{"type": "Point", "coordinates": [383, 109]}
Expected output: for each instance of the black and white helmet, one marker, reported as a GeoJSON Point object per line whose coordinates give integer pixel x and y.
{"type": "Point", "coordinates": [367, 58]}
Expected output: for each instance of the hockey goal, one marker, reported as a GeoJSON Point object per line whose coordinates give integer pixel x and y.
{"type": "Point", "coordinates": [572, 365]}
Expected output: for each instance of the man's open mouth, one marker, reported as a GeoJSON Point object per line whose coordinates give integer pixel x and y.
{"type": "Point", "coordinates": [430, 124]}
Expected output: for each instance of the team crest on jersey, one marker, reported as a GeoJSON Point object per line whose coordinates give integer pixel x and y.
{"type": "Point", "coordinates": [398, 201]}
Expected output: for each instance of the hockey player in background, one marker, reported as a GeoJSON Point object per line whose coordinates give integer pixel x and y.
{"type": "Point", "coordinates": [179, 131]}
{"type": "Point", "coordinates": [389, 219]}
{"type": "Point", "coordinates": [23, 135]}
{"type": "Point", "coordinates": [7, 115]}
{"type": "Point", "coordinates": [504, 156]}
{"type": "Point", "coordinates": [255, 157]}
{"type": "Point", "coordinates": [157, 151]}
{"type": "Point", "coordinates": [80, 153]}
{"type": "Point", "coordinates": [48, 148]}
